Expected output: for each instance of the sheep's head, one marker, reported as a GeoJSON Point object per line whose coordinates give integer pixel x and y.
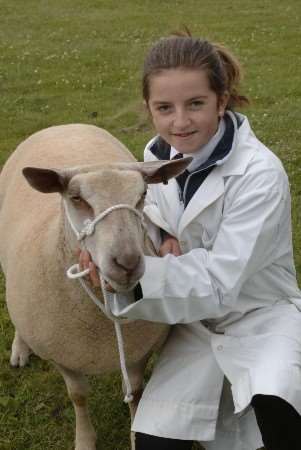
{"type": "Point", "coordinates": [117, 243]}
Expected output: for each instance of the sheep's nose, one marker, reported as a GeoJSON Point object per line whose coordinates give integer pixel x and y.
{"type": "Point", "coordinates": [128, 262]}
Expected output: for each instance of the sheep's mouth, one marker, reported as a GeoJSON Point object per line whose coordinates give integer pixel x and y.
{"type": "Point", "coordinates": [121, 287]}
{"type": "Point", "coordinates": [122, 280]}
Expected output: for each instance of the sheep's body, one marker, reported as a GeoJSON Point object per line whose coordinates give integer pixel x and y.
{"type": "Point", "coordinates": [52, 314]}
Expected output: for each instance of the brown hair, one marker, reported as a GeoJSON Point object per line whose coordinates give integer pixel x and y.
{"type": "Point", "coordinates": [181, 50]}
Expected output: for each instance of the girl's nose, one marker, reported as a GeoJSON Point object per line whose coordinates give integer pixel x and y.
{"type": "Point", "coordinates": [181, 120]}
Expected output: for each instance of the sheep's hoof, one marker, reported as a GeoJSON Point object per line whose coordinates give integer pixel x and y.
{"type": "Point", "coordinates": [87, 441]}
{"type": "Point", "coordinates": [20, 352]}
{"type": "Point", "coordinates": [91, 446]}
{"type": "Point", "coordinates": [85, 447]}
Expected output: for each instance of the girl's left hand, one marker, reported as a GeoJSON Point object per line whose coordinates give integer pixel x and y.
{"type": "Point", "coordinates": [170, 245]}
{"type": "Point", "coordinates": [85, 262]}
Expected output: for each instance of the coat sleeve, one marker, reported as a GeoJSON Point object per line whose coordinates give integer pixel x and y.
{"type": "Point", "coordinates": [205, 284]}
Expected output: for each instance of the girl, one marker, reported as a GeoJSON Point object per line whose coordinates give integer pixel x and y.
{"type": "Point", "coordinates": [229, 375]}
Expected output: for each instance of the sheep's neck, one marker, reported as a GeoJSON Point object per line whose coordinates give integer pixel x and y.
{"type": "Point", "coordinates": [67, 242]}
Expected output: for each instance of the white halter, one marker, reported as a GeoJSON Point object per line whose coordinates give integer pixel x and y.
{"type": "Point", "coordinates": [89, 225]}
{"type": "Point", "coordinates": [74, 272]}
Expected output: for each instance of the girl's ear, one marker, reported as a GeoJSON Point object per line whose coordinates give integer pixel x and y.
{"type": "Point", "coordinates": [147, 109]}
{"type": "Point", "coordinates": [222, 103]}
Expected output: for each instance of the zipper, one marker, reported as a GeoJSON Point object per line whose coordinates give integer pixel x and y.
{"type": "Point", "coordinates": [183, 196]}
{"type": "Point", "coordinates": [180, 195]}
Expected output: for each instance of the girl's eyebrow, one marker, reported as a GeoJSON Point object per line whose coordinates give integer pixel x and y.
{"type": "Point", "coordinates": [198, 97]}
{"type": "Point", "coordinates": [166, 102]}
{"type": "Point", "coordinates": [161, 102]}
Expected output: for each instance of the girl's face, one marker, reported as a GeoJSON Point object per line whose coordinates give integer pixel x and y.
{"type": "Point", "coordinates": [184, 110]}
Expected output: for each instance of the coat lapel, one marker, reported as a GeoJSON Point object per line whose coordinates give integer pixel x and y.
{"type": "Point", "coordinates": [173, 207]}
{"type": "Point", "coordinates": [243, 147]}
{"type": "Point", "coordinates": [210, 190]}
{"type": "Point", "coordinates": [170, 209]}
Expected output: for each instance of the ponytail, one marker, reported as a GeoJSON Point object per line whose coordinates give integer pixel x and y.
{"type": "Point", "coordinates": [234, 76]}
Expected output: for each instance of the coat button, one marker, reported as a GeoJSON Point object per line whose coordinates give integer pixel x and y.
{"type": "Point", "coordinates": [220, 348]}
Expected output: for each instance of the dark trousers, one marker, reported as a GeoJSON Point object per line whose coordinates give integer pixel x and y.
{"type": "Point", "coordinates": [278, 421]}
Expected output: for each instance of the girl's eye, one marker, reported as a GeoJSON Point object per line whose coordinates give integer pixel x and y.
{"type": "Point", "coordinates": [196, 104]}
{"type": "Point", "coordinates": [164, 108]}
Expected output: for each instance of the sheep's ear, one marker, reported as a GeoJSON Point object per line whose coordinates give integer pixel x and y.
{"type": "Point", "coordinates": [46, 180]}
{"type": "Point", "coordinates": [161, 171]}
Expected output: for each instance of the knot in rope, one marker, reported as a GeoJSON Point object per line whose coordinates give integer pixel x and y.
{"type": "Point", "coordinates": [87, 230]}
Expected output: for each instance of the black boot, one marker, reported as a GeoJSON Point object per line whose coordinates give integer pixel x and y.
{"type": "Point", "coordinates": [149, 442]}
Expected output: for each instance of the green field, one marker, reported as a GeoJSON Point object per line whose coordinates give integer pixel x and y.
{"type": "Point", "coordinates": [80, 61]}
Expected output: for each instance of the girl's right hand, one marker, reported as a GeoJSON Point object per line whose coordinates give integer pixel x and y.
{"type": "Point", "coordinates": [170, 245]}
{"type": "Point", "coordinates": [85, 262]}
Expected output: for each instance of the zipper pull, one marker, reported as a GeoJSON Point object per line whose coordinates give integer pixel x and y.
{"type": "Point", "coordinates": [181, 196]}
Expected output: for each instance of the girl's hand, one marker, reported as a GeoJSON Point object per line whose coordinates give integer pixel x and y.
{"type": "Point", "coordinates": [170, 245]}
{"type": "Point", "coordinates": [85, 262]}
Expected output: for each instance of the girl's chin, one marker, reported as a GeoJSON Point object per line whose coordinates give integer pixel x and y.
{"type": "Point", "coordinates": [186, 149]}
{"type": "Point", "coordinates": [184, 145]}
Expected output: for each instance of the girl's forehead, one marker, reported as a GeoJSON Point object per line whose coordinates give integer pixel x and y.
{"type": "Point", "coordinates": [179, 82]}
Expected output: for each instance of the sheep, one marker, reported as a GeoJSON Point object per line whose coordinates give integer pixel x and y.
{"type": "Point", "coordinates": [52, 315]}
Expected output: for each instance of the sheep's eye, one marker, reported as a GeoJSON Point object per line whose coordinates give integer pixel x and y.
{"type": "Point", "coordinates": [76, 199]}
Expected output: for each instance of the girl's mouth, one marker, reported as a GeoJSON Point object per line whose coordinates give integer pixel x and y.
{"type": "Point", "coordinates": [184, 135]}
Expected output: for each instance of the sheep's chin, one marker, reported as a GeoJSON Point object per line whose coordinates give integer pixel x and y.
{"type": "Point", "coordinates": [122, 288]}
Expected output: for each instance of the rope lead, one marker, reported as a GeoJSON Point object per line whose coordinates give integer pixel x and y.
{"type": "Point", "coordinates": [74, 272]}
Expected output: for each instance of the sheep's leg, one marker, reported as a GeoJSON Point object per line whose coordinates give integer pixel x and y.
{"type": "Point", "coordinates": [77, 386]}
{"type": "Point", "coordinates": [20, 352]}
{"type": "Point", "coordinates": [135, 373]}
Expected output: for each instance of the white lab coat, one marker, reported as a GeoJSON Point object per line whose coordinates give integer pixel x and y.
{"type": "Point", "coordinates": [234, 296]}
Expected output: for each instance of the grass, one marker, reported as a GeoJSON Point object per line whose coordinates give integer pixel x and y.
{"type": "Point", "coordinates": [80, 61]}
